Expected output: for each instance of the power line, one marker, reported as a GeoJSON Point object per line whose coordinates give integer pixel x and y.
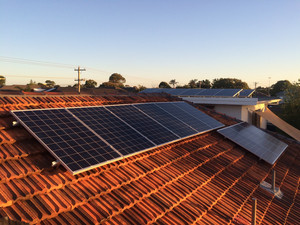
{"type": "Point", "coordinates": [30, 76]}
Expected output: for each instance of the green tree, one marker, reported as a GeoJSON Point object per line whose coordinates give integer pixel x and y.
{"type": "Point", "coordinates": [2, 81]}
{"type": "Point", "coordinates": [173, 82]}
{"type": "Point", "coordinates": [50, 83]}
{"type": "Point", "coordinates": [291, 105]}
{"type": "Point", "coordinates": [164, 84]}
{"type": "Point", "coordinates": [229, 83]}
{"type": "Point", "coordinates": [281, 85]}
{"type": "Point", "coordinates": [117, 78]}
{"type": "Point", "coordinates": [205, 83]}
{"type": "Point", "coordinates": [90, 83]}
{"type": "Point", "coordinates": [193, 83]}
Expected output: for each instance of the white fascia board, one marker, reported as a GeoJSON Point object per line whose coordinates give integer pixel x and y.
{"type": "Point", "coordinates": [222, 101]}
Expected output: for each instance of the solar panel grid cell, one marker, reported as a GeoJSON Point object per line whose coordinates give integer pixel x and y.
{"type": "Point", "coordinates": [144, 124]}
{"type": "Point", "coordinates": [117, 133]}
{"type": "Point", "coordinates": [172, 123]}
{"type": "Point", "coordinates": [209, 121]}
{"type": "Point", "coordinates": [184, 116]}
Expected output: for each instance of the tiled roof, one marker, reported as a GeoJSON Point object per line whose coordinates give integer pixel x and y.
{"type": "Point", "coordinates": [205, 179]}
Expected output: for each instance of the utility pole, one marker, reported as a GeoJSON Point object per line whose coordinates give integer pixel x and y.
{"type": "Point", "coordinates": [269, 85]}
{"type": "Point", "coordinates": [255, 83]}
{"type": "Point", "coordinates": [79, 70]}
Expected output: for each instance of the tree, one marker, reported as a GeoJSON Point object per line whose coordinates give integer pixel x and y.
{"type": "Point", "coordinates": [281, 85]}
{"type": "Point", "coordinates": [164, 84]}
{"type": "Point", "coordinates": [205, 84]}
{"type": "Point", "coordinates": [291, 105]}
{"type": "Point", "coordinates": [50, 83]}
{"type": "Point", "coordinates": [193, 83]}
{"type": "Point", "coordinates": [173, 83]}
{"type": "Point", "coordinates": [2, 81]}
{"type": "Point", "coordinates": [117, 78]}
{"type": "Point", "coordinates": [229, 83]}
{"type": "Point", "coordinates": [90, 83]}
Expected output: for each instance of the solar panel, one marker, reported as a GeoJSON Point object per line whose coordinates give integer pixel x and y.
{"type": "Point", "coordinates": [228, 92]}
{"type": "Point", "coordinates": [246, 93]}
{"type": "Point", "coordinates": [168, 120]}
{"type": "Point", "coordinates": [117, 133]}
{"type": "Point", "coordinates": [143, 124]}
{"type": "Point", "coordinates": [211, 122]}
{"type": "Point", "coordinates": [195, 119]}
{"type": "Point", "coordinates": [70, 141]}
{"type": "Point", "coordinates": [85, 137]}
{"type": "Point", "coordinates": [255, 140]}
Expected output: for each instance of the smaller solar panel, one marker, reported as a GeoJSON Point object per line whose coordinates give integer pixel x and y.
{"type": "Point", "coordinates": [246, 93]}
{"type": "Point", "coordinates": [255, 140]}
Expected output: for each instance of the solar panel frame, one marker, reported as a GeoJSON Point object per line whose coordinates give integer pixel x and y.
{"type": "Point", "coordinates": [242, 134]}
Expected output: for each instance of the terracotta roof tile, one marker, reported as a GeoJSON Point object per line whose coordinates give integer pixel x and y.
{"type": "Point", "coordinates": [203, 179]}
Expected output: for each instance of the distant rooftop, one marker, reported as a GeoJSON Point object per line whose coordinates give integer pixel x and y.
{"type": "Point", "coordinates": [202, 92]}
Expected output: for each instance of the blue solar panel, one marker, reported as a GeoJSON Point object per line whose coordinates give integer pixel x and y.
{"type": "Point", "coordinates": [255, 140]}
{"type": "Point", "coordinates": [76, 146]}
{"type": "Point", "coordinates": [211, 122]}
{"type": "Point", "coordinates": [246, 93]}
{"type": "Point", "coordinates": [143, 123]}
{"type": "Point", "coordinates": [193, 121]}
{"type": "Point", "coordinates": [118, 134]}
{"type": "Point", "coordinates": [228, 92]}
{"type": "Point", "coordinates": [169, 121]}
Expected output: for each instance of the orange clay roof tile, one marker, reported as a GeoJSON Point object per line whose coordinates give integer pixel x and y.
{"type": "Point", "coordinates": [203, 179]}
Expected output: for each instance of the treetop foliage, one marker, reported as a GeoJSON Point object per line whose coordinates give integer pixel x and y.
{"type": "Point", "coordinates": [164, 84]}
{"type": "Point", "coordinates": [281, 85]}
{"type": "Point", "coordinates": [116, 78]}
{"type": "Point", "coordinates": [2, 81]}
{"type": "Point", "coordinates": [90, 83]}
{"type": "Point", "coordinates": [229, 83]}
{"type": "Point", "coordinates": [291, 106]}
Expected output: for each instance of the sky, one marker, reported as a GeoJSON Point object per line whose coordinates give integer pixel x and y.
{"type": "Point", "coordinates": [150, 41]}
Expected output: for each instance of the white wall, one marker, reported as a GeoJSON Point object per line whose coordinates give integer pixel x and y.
{"type": "Point", "coordinates": [230, 110]}
{"type": "Point", "coordinates": [242, 112]}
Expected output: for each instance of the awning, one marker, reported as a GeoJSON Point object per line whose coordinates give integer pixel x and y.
{"type": "Point", "coordinates": [281, 124]}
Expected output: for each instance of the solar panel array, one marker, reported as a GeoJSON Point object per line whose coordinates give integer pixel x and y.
{"type": "Point", "coordinates": [195, 92]}
{"type": "Point", "coordinates": [255, 140]}
{"type": "Point", "coordinates": [85, 137]}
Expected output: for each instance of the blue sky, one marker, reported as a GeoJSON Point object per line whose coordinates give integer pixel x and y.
{"type": "Point", "coordinates": [150, 41]}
